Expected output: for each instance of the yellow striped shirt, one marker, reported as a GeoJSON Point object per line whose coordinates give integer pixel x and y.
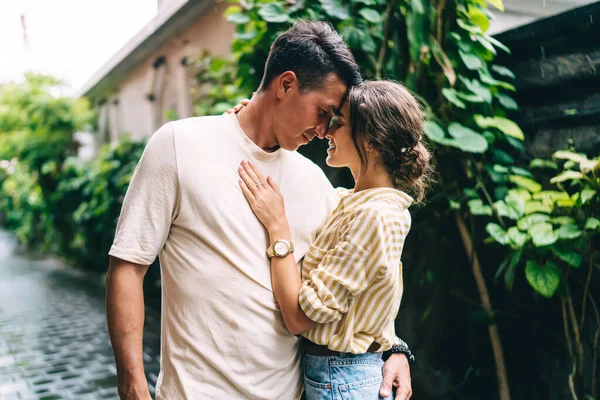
{"type": "Point", "coordinates": [352, 274]}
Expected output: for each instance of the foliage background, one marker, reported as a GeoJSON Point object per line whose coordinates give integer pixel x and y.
{"type": "Point", "coordinates": [507, 235]}
{"type": "Point", "coordinates": [506, 303]}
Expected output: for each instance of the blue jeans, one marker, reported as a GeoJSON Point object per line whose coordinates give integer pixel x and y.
{"type": "Point", "coordinates": [345, 376]}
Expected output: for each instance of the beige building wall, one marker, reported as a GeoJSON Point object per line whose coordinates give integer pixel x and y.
{"type": "Point", "coordinates": [140, 104]}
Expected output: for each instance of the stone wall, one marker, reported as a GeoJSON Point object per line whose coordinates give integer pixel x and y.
{"type": "Point", "coordinates": [557, 66]}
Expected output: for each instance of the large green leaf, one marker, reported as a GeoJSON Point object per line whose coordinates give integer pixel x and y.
{"type": "Point", "coordinates": [502, 157]}
{"type": "Point", "coordinates": [503, 71]}
{"type": "Point", "coordinates": [536, 206]}
{"type": "Point", "coordinates": [487, 78]}
{"type": "Point", "coordinates": [450, 94]}
{"type": "Point", "coordinates": [507, 102]}
{"type": "Point", "coordinates": [532, 219]}
{"type": "Point", "coordinates": [570, 257]}
{"type": "Point", "coordinates": [568, 231]}
{"type": "Point", "coordinates": [521, 171]}
{"type": "Point", "coordinates": [501, 169]}
{"type": "Point", "coordinates": [551, 195]}
{"type": "Point", "coordinates": [517, 204]}
{"type": "Point", "coordinates": [542, 234]}
{"type": "Point", "coordinates": [517, 237]}
{"type": "Point", "coordinates": [508, 210]}
{"type": "Point", "coordinates": [457, 130]}
{"type": "Point", "coordinates": [476, 87]}
{"type": "Point", "coordinates": [587, 195]}
{"type": "Point", "coordinates": [568, 203]}
{"type": "Point", "coordinates": [541, 163]}
{"type": "Point", "coordinates": [471, 98]}
{"type": "Point", "coordinates": [468, 27]}
{"type": "Point", "coordinates": [370, 15]}
{"type": "Point", "coordinates": [477, 207]}
{"type": "Point", "coordinates": [433, 131]}
{"type": "Point", "coordinates": [519, 193]}
{"type": "Point", "coordinates": [274, 12]}
{"type": "Point", "coordinates": [488, 46]}
{"type": "Point", "coordinates": [498, 233]}
{"type": "Point", "coordinates": [544, 279]}
{"type": "Point", "coordinates": [505, 125]}
{"type": "Point", "coordinates": [589, 165]}
{"type": "Point", "coordinates": [569, 155]}
{"type": "Point", "coordinates": [497, 43]}
{"type": "Point", "coordinates": [466, 139]}
{"type": "Point", "coordinates": [335, 8]}
{"type": "Point", "coordinates": [525, 183]}
{"type": "Point", "coordinates": [567, 176]}
{"type": "Point", "coordinates": [471, 60]}
{"type": "Point", "coordinates": [479, 18]}
{"type": "Point", "coordinates": [471, 144]}
{"type": "Point", "coordinates": [592, 224]}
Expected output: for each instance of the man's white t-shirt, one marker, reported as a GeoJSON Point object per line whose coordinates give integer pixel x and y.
{"type": "Point", "coordinates": [223, 336]}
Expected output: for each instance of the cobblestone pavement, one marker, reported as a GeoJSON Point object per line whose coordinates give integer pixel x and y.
{"type": "Point", "coordinates": [53, 338]}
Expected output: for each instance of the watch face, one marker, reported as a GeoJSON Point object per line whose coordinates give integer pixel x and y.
{"type": "Point", "coordinates": [281, 248]}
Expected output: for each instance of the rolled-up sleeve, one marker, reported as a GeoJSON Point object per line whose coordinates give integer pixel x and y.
{"type": "Point", "coordinates": [347, 269]}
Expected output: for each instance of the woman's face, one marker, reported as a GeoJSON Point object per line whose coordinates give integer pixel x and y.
{"type": "Point", "coordinates": [342, 152]}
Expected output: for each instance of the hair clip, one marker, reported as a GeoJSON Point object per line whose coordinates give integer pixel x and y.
{"type": "Point", "coordinates": [404, 149]}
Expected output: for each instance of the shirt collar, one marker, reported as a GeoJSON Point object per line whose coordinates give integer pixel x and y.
{"type": "Point", "coordinates": [351, 199]}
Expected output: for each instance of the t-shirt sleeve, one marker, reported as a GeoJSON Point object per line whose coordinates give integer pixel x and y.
{"type": "Point", "coordinates": [150, 204]}
{"type": "Point", "coordinates": [347, 269]}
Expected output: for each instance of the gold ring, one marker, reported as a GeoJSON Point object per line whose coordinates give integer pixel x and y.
{"type": "Point", "coordinates": [258, 183]}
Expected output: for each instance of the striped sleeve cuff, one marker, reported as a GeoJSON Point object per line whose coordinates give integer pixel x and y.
{"type": "Point", "coordinates": [314, 307]}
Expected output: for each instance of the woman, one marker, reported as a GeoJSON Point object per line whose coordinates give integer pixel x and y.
{"type": "Point", "coordinates": [347, 298]}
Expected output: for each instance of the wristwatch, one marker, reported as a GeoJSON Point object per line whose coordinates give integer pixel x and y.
{"type": "Point", "coordinates": [399, 347]}
{"type": "Point", "coordinates": [280, 248]}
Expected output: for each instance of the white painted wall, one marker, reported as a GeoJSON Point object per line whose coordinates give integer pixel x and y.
{"type": "Point", "coordinates": [134, 113]}
{"type": "Point", "coordinates": [522, 12]}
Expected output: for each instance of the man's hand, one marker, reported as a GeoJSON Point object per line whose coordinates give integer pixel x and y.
{"type": "Point", "coordinates": [396, 373]}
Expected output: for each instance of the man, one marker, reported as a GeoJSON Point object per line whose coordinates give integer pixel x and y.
{"type": "Point", "coordinates": [222, 333]}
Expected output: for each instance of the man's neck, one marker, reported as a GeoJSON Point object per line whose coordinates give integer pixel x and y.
{"type": "Point", "coordinates": [256, 123]}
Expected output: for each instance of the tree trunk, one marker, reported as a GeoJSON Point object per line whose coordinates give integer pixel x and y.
{"type": "Point", "coordinates": [503, 389]}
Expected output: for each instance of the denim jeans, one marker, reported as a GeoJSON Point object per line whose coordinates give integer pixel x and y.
{"type": "Point", "coordinates": [345, 376]}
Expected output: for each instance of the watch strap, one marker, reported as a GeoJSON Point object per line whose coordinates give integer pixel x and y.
{"type": "Point", "coordinates": [399, 347]}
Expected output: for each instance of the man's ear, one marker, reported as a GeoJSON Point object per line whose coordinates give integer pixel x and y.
{"type": "Point", "coordinates": [286, 82]}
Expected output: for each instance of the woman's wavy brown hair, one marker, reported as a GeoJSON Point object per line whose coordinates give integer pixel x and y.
{"type": "Point", "coordinates": [385, 116]}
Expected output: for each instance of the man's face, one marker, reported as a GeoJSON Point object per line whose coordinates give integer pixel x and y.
{"type": "Point", "coordinates": [302, 116]}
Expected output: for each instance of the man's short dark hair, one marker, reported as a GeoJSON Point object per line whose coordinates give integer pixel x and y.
{"type": "Point", "coordinates": [312, 50]}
